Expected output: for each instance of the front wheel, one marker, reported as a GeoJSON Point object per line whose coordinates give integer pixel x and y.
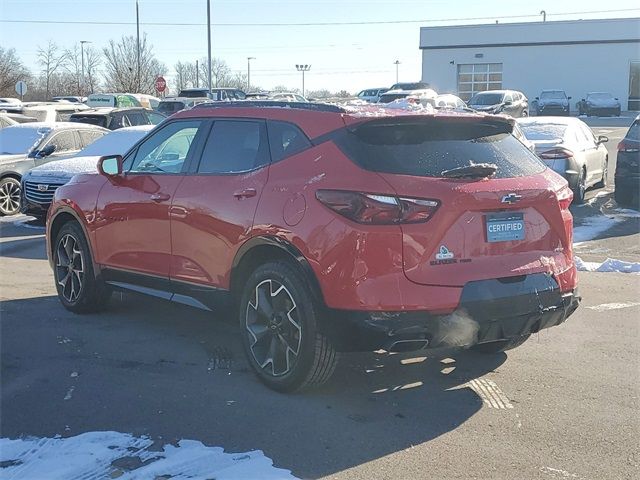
{"type": "Point", "coordinates": [78, 289]}
{"type": "Point", "coordinates": [501, 346]}
{"type": "Point", "coordinates": [279, 322]}
{"type": "Point", "coordinates": [580, 189]}
{"type": "Point", "coordinates": [9, 196]}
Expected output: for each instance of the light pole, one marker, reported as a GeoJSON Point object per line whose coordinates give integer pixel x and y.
{"type": "Point", "coordinates": [82, 42]}
{"type": "Point", "coordinates": [209, 42]}
{"type": "Point", "coordinates": [303, 68]}
{"type": "Point", "coordinates": [249, 72]}
{"type": "Point", "coordinates": [396, 63]}
{"type": "Point", "coordinates": [137, 47]}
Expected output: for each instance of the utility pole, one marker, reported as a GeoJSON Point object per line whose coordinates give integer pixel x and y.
{"type": "Point", "coordinates": [249, 72]}
{"type": "Point", "coordinates": [544, 15]}
{"type": "Point", "coordinates": [82, 80]}
{"type": "Point", "coordinates": [209, 42]}
{"type": "Point", "coordinates": [396, 63]}
{"type": "Point", "coordinates": [197, 74]}
{"type": "Point", "coordinates": [303, 68]}
{"type": "Point", "coordinates": [137, 48]}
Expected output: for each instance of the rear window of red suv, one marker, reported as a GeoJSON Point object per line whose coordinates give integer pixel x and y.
{"type": "Point", "coordinates": [426, 149]}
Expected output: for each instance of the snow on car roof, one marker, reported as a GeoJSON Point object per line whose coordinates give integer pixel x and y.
{"type": "Point", "coordinates": [56, 125]}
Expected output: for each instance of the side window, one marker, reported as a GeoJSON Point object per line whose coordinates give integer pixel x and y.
{"type": "Point", "coordinates": [240, 95]}
{"type": "Point", "coordinates": [118, 121]}
{"type": "Point", "coordinates": [87, 137]}
{"type": "Point", "coordinates": [166, 150]}
{"type": "Point", "coordinates": [64, 142]}
{"type": "Point", "coordinates": [234, 146]}
{"type": "Point", "coordinates": [285, 140]}
{"type": "Point", "coordinates": [155, 118]}
{"type": "Point", "coordinates": [299, 98]}
{"type": "Point", "coordinates": [508, 98]}
{"type": "Point", "coordinates": [136, 118]}
{"type": "Point", "coordinates": [591, 138]}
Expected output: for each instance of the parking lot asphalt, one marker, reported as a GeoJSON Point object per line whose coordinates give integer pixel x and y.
{"type": "Point", "coordinates": [564, 405]}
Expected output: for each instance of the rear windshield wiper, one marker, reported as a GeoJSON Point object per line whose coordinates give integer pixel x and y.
{"type": "Point", "coordinates": [480, 170]}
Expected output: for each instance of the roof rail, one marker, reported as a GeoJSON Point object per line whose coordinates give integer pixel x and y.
{"type": "Point", "coordinates": [318, 107]}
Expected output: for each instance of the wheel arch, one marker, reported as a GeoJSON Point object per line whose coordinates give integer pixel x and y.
{"type": "Point", "coordinates": [261, 249]}
{"type": "Point", "coordinates": [11, 174]}
{"type": "Point", "coordinates": [62, 216]}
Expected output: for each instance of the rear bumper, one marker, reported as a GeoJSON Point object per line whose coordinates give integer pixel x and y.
{"type": "Point", "coordinates": [489, 310]}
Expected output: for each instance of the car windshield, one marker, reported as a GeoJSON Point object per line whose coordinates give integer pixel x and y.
{"type": "Point", "coordinates": [600, 96]}
{"type": "Point", "coordinates": [543, 131]}
{"type": "Point", "coordinates": [17, 140]}
{"type": "Point", "coordinates": [486, 99]}
{"type": "Point", "coordinates": [117, 142]}
{"type": "Point", "coordinates": [553, 95]}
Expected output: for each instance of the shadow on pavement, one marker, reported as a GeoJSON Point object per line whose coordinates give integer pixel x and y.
{"type": "Point", "coordinates": [25, 248]}
{"type": "Point", "coordinates": [149, 367]}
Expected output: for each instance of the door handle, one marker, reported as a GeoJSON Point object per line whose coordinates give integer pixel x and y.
{"type": "Point", "coordinates": [160, 197]}
{"type": "Point", "coordinates": [246, 193]}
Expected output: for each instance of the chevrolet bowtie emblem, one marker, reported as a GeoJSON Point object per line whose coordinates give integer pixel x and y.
{"type": "Point", "coordinates": [511, 198]}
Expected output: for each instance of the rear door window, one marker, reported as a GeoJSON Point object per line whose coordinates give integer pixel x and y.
{"type": "Point", "coordinates": [634, 131]}
{"type": "Point", "coordinates": [64, 142]}
{"type": "Point", "coordinates": [235, 146]}
{"type": "Point", "coordinates": [426, 149]}
{"type": "Point", "coordinates": [87, 137]}
{"type": "Point", "coordinates": [285, 140]}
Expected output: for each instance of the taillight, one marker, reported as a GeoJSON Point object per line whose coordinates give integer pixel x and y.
{"type": "Point", "coordinates": [372, 209]}
{"type": "Point", "coordinates": [556, 153]}
{"type": "Point", "coordinates": [565, 197]}
{"type": "Point", "coordinates": [625, 146]}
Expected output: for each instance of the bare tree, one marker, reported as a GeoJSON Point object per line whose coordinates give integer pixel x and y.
{"type": "Point", "coordinates": [50, 59]}
{"type": "Point", "coordinates": [73, 66]}
{"type": "Point", "coordinates": [121, 66]}
{"type": "Point", "coordinates": [220, 72]}
{"type": "Point", "coordinates": [11, 70]}
{"type": "Point", "coordinates": [185, 75]}
{"type": "Point", "coordinates": [92, 61]}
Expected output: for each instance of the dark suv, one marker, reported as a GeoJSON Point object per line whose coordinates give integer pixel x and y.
{"type": "Point", "coordinates": [114, 118]}
{"type": "Point", "coordinates": [508, 102]}
{"type": "Point", "coordinates": [553, 102]}
{"type": "Point", "coordinates": [627, 176]}
{"type": "Point", "coordinates": [329, 230]}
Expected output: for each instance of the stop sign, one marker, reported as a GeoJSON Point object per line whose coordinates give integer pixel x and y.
{"type": "Point", "coordinates": [161, 84]}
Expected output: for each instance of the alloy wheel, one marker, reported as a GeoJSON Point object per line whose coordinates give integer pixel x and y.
{"type": "Point", "coordinates": [10, 196]}
{"type": "Point", "coordinates": [69, 268]}
{"type": "Point", "coordinates": [275, 335]}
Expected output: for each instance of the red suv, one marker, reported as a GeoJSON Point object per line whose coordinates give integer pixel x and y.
{"type": "Point", "coordinates": [330, 229]}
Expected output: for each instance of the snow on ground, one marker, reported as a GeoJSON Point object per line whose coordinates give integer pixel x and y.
{"type": "Point", "coordinates": [609, 265]}
{"type": "Point", "coordinates": [120, 455]}
{"type": "Point", "coordinates": [592, 227]}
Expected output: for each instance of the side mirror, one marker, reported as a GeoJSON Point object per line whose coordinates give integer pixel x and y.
{"type": "Point", "coordinates": [603, 139]}
{"type": "Point", "coordinates": [537, 98]}
{"type": "Point", "coordinates": [45, 152]}
{"type": "Point", "coordinates": [110, 165]}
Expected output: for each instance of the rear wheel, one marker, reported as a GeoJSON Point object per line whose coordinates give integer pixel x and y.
{"type": "Point", "coordinates": [279, 322]}
{"type": "Point", "coordinates": [603, 181]}
{"type": "Point", "coordinates": [580, 189]}
{"type": "Point", "coordinates": [502, 345]}
{"type": "Point", "coordinates": [78, 289]}
{"type": "Point", "coordinates": [9, 196]}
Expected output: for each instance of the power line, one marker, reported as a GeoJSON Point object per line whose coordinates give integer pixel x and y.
{"type": "Point", "coordinates": [316, 24]}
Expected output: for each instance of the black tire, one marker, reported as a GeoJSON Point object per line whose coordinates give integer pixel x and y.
{"type": "Point", "coordinates": [603, 181]}
{"type": "Point", "coordinates": [288, 322]}
{"type": "Point", "coordinates": [9, 196]}
{"type": "Point", "coordinates": [525, 113]}
{"type": "Point", "coordinates": [580, 189]}
{"type": "Point", "coordinates": [501, 346]}
{"type": "Point", "coordinates": [78, 288]}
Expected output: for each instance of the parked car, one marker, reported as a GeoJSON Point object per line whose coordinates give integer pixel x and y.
{"type": "Point", "coordinates": [51, 111]}
{"type": "Point", "coordinates": [519, 134]}
{"type": "Point", "coordinates": [170, 105]}
{"type": "Point", "coordinates": [227, 94]}
{"type": "Point", "coordinates": [17, 117]}
{"type": "Point", "coordinates": [448, 101]}
{"type": "Point", "coordinates": [382, 238]}
{"type": "Point", "coordinates": [147, 101]}
{"type": "Point", "coordinates": [195, 93]}
{"type": "Point", "coordinates": [69, 98]}
{"type": "Point", "coordinates": [424, 96]}
{"type": "Point", "coordinates": [286, 97]}
{"type": "Point", "coordinates": [410, 86]}
{"type": "Point", "coordinates": [599, 103]}
{"type": "Point", "coordinates": [508, 102]}
{"type": "Point", "coordinates": [114, 118]}
{"type": "Point", "coordinates": [28, 145]}
{"type": "Point", "coordinates": [627, 175]}
{"type": "Point", "coordinates": [569, 147]}
{"type": "Point", "coordinates": [553, 102]}
{"type": "Point", "coordinates": [112, 100]}
{"type": "Point", "coordinates": [371, 95]}
{"type": "Point", "coordinates": [40, 183]}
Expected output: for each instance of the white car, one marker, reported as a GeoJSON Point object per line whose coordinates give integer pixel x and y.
{"type": "Point", "coordinates": [449, 101]}
{"type": "Point", "coordinates": [371, 95]}
{"type": "Point", "coordinates": [51, 111]}
{"type": "Point", "coordinates": [568, 146]}
{"type": "Point", "coordinates": [424, 95]}
{"type": "Point", "coordinates": [36, 199]}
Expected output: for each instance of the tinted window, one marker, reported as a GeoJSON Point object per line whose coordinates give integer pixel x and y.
{"type": "Point", "coordinates": [99, 120]}
{"type": "Point", "coordinates": [64, 142]}
{"type": "Point", "coordinates": [429, 148]}
{"type": "Point", "coordinates": [170, 107]}
{"type": "Point", "coordinates": [285, 140]}
{"type": "Point", "coordinates": [234, 146]}
{"type": "Point", "coordinates": [634, 131]}
{"type": "Point", "coordinates": [136, 118]}
{"type": "Point", "coordinates": [486, 99]}
{"type": "Point", "coordinates": [166, 150]}
{"type": "Point", "coordinates": [155, 118]}
{"type": "Point", "coordinates": [87, 137]}
{"type": "Point", "coordinates": [556, 94]}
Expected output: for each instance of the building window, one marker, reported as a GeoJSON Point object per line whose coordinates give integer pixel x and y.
{"type": "Point", "coordinates": [478, 77]}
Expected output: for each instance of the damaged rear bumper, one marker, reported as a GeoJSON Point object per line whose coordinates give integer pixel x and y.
{"type": "Point", "coordinates": [489, 310]}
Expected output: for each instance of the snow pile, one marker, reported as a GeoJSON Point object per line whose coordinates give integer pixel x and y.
{"type": "Point", "coordinates": [123, 456]}
{"type": "Point", "coordinates": [609, 265]}
{"type": "Point", "coordinates": [592, 227]}
{"type": "Point", "coordinates": [410, 104]}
